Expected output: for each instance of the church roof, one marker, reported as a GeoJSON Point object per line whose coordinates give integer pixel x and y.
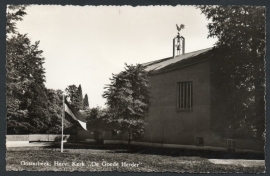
{"type": "Point", "coordinates": [171, 63]}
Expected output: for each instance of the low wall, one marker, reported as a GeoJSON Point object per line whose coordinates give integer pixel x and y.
{"type": "Point", "coordinates": [17, 137]}
{"type": "Point", "coordinates": [41, 137]}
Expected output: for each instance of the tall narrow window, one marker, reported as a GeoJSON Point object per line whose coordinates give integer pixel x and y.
{"type": "Point", "coordinates": [184, 95]}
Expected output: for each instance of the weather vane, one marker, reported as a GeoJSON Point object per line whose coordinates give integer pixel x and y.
{"type": "Point", "coordinates": [180, 27]}
{"type": "Point", "coordinates": [177, 42]}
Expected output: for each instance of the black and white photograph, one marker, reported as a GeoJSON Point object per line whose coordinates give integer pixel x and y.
{"type": "Point", "coordinates": [176, 89]}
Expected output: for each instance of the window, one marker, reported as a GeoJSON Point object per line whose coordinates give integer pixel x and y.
{"type": "Point", "coordinates": [231, 144]}
{"type": "Point", "coordinates": [184, 95]}
{"type": "Point", "coordinates": [200, 141]}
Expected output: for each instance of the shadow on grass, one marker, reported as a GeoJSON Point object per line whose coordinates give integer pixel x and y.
{"type": "Point", "coordinates": [196, 153]}
{"type": "Point", "coordinates": [132, 149]}
{"type": "Point", "coordinates": [88, 146]}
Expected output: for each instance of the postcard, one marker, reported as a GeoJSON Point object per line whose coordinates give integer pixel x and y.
{"type": "Point", "coordinates": [136, 89]}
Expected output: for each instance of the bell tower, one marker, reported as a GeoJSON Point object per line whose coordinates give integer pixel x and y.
{"type": "Point", "coordinates": [177, 46]}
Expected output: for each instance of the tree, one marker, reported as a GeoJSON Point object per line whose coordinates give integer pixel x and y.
{"type": "Point", "coordinates": [15, 115]}
{"type": "Point", "coordinates": [239, 70]}
{"type": "Point", "coordinates": [80, 96]}
{"type": "Point", "coordinates": [26, 93]}
{"type": "Point", "coordinates": [128, 99]}
{"type": "Point", "coordinates": [14, 13]}
{"type": "Point", "coordinates": [31, 108]}
{"type": "Point", "coordinates": [96, 112]}
{"type": "Point", "coordinates": [85, 102]}
{"type": "Point", "coordinates": [72, 94]}
{"type": "Point", "coordinates": [55, 110]}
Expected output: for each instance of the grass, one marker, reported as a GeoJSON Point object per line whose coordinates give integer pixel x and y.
{"type": "Point", "coordinates": [159, 161]}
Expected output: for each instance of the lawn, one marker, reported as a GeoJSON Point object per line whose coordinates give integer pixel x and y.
{"type": "Point", "coordinates": [110, 159]}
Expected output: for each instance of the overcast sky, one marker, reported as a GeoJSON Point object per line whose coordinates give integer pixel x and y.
{"type": "Point", "coordinates": [86, 44]}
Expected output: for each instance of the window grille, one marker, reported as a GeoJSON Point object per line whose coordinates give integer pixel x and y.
{"type": "Point", "coordinates": [184, 95]}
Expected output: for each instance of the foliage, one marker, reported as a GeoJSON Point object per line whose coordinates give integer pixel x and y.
{"type": "Point", "coordinates": [31, 107]}
{"type": "Point", "coordinates": [87, 112]}
{"type": "Point", "coordinates": [96, 112]}
{"type": "Point", "coordinates": [55, 108]}
{"type": "Point", "coordinates": [85, 102]}
{"type": "Point", "coordinates": [26, 93]}
{"type": "Point", "coordinates": [128, 99]}
{"type": "Point", "coordinates": [80, 97]}
{"type": "Point", "coordinates": [27, 100]}
{"type": "Point", "coordinates": [238, 73]}
{"type": "Point", "coordinates": [73, 94]}
{"type": "Point", "coordinates": [14, 13]}
{"type": "Point", "coordinates": [75, 100]}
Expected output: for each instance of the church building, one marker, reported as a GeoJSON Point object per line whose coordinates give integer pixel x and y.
{"type": "Point", "coordinates": [183, 110]}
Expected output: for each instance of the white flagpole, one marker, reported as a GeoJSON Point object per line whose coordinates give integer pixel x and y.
{"type": "Point", "coordinates": [63, 116]}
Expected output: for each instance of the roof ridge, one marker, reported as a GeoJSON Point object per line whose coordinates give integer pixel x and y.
{"type": "Point", "coordinates": [164, 59]}
{"type": "Point", "coordinates": [157, 61]}
{"type": "Point", "coordinates": [197, 50]}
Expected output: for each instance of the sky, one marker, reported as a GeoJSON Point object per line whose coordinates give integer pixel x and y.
{"type": "Point", "coordinates": [86, 44]}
